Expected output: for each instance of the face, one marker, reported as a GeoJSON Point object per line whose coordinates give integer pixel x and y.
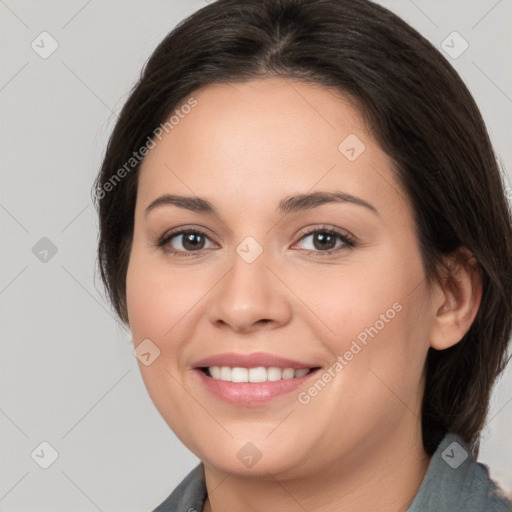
{"type": "Point", "coordinates": [266, 284]}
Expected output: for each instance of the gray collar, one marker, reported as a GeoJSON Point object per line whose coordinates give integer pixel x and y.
{"type": "Point", "coordinates": [456, 482]}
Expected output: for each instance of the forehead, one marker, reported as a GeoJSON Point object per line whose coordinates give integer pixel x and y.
{"type": "Point", "coordinates": [269, 117]}
{"type": "Point", "coordinates": [260, 138]}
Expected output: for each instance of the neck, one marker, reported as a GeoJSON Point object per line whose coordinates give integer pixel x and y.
{"type": "Point", "coordinates": [384, 476]}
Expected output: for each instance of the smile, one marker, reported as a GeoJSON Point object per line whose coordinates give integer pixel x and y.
{"type": "Point", "coordinates": [251, 380]}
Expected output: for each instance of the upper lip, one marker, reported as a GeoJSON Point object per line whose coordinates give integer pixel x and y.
{"type": "Point", "coordinates": [253, 360]}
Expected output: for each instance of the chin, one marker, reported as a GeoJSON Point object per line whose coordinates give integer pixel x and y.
{"type": "Point", "coordinates": [253, 458]}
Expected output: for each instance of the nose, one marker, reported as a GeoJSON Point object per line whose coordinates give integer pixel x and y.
{"type": "Point", "coordinates": [250, 297]}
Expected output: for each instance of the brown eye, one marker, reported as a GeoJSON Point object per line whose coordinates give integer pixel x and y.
{"type": "Point", "coordinates": [182, 242]}
{"type": "Point", "coordinates": [324, 241]}
{"type": "Point", "coordinates": [192, 241]}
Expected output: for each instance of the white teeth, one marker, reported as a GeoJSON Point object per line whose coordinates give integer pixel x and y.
{"type": "Point", "coordinates": [258, 374]}
{"type": "Point", "coordinates": [215, 372]}
{"type": "Point", "coordinates": [288, 373]}
{"type": "Point", "coordinates": [273, 374]}
{"type": "Point", "coordinates": [239, 375]}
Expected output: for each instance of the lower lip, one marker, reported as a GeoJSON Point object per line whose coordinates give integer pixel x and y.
{"type": "Point", "coordinates": [251, 394]}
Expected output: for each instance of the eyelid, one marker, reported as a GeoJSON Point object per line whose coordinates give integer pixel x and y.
{"type": "Point", "coordinates": [308, 230]}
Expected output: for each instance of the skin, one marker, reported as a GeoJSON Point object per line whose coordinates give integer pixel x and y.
{"type": "Point", "coordinates": [357, 444]}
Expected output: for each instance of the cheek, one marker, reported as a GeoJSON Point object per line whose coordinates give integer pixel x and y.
{"type": "Point", "coordinates": [375, 317]}
{"type": "Point", "coordinates": [346, 299]}
{"type": "Point", "coordinates": [158, 298]}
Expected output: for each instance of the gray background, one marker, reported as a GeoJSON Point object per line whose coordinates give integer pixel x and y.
{"type": "Point", "coordinates": [68, 374]}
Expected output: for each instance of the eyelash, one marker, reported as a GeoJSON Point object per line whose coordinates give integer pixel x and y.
{"type": "Point", "coordinates": [348, 241]}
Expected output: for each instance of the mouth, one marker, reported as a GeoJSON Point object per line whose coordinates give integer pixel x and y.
{"type": "Point", "coordinates": [250, 380]}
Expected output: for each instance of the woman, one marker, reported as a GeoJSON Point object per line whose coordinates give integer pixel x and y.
{"type": "Point", "coordinates": [303, 224]}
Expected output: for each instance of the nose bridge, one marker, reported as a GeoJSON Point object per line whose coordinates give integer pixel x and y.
{"type": "Point", "coordinates": [249, 293]}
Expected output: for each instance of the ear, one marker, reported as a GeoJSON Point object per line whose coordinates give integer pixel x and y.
{"type": "Point", "coordinates": [455, 305]}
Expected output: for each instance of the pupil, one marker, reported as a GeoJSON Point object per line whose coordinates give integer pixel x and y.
{"type": "Point", "coordinates": [188, 241]}
{"type": "Point", "coordinates": [322, 237]}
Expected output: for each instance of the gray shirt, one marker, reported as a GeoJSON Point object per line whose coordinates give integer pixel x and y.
{"type": "Point", "coordinates": [454, 482]}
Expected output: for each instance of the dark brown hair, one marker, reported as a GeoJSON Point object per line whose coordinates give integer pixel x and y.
{"type": "Point", "coordinates": [422, 115]}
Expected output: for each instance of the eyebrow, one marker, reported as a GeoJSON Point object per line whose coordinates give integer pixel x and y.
{"type": "Point", "coordinates": [287, 205]}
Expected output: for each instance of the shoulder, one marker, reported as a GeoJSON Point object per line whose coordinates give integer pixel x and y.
{"type": "Point", "coordinates": [189, 496]}
{"type": "Point", "coordinates": [456, 482]}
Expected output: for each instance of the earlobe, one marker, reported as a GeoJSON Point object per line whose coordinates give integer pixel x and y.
{"type": "Point", "coordinates": [459, 300]}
